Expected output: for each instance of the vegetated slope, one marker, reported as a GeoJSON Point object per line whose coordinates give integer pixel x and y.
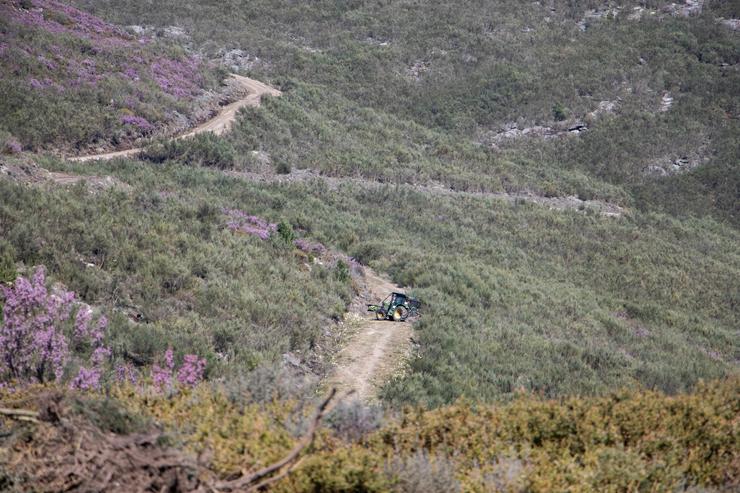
{"type": "Point", "coordinates": [159, 258]}
{"type": "Point", "coordinates": [217, 125]}
{"type": "Point", "coordinates": [70, 80]}
{"type": "Point", "coordinates": [516, 296]}
{"type": "Point", "coordinates": [520, 297]}
{"type": "Point", "coordinates": [482, 69]}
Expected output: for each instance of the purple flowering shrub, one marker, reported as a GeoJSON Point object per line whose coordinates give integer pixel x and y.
{"type": "Point", "coordinates": [245, 223]}
{"type": "Point", "coordinates": [190, 373]}
{"type": "Point", "coordinates": [42, 330]}
{"type": "Point", "coordinates": [176, 77]}
{"type": "Point", "coordinates": [310, 247]}
{"type": "Point", "coordinates": [127, 374]}
{"type": "Point", "coordinates": [138, 122]}
{"type": "Point", "coordinates": [38, 328]}
{"type": "Point", "coordinates": [11, 146]}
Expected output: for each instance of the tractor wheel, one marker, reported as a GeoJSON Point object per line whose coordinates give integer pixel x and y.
{"type": "Point", "coordinates": [400, 313]}
{"type": "Point", "coordinates": [380, 315]}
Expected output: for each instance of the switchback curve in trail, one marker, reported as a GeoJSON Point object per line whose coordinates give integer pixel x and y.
{"type": "Point", "coordinates": [219, 124]}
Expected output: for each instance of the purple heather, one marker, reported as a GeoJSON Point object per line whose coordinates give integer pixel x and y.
{"type": "Point", "coordinates": [34, 347]}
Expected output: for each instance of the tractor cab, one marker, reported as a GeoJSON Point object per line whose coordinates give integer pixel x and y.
{"type": "Point", "coordinates": [396, 307]}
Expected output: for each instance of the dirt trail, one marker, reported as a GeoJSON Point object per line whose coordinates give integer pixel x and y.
{"type": "Point", "coordinates": [222, 122]}
{"type": "Point", "coordinates": [561, 203]}
{"type": "Point", "coordinates": [378, 348]}
{"type": "Point", "coordinates": [219, 124]}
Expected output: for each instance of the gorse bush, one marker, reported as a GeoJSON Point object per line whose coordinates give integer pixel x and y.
{"type": "Point", "coordinates": [625, 441]}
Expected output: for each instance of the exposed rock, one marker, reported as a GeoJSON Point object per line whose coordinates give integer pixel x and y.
{"type": "Point", "coordinates": [137, 30]}
{"type": "Point", "coordinates": [468, 58]}
{"type": "Point", "coordinates": [512, 131]}
{"type": "Point", "coordinates": [685, 9]}
{"type": "Point", "coordinates": [169, 32]}
{"type": "Point", "coordinates": [655, 171]}
{"type": "Point", "coordinates": [666, 102]}
{"type": "Point", "coordinates": [175, 32]}
{"type": "Point", "coordinates": [376, 42]}
{"type": "Point", "coordinates": [595, 15]}
{"type": "Point", "coordinates": [681, 9]}
{"type": "Point", "coordinates": [604, 107]}
{"type": "Point", "coordinates": [667, 167]}
{"type": "Point", "coordinates": [291, 359]}
{"type": "Point", "coordinates": [417, 69]}
{"type": "Point", "coordinates": [733, 24]}
{"type": "Point", "coordinates": [237, 60]}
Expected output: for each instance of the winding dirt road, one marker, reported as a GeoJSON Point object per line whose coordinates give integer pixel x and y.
{"type": "Point", "coordinates": [377, 350]}
{"type": "Point", "coordinates": [219, 124]}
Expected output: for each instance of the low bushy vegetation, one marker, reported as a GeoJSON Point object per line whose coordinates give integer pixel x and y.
{"type": "Point", "coordinates": [164, 266]}
{"type": "Point", "coordinates": [516, 296]}
{"type": "Point", "coordinates": [622, 442]}
{"type": "Point", "coordinates": [201, 150]}
{"type": "Point", "coordinates": [385, 77]}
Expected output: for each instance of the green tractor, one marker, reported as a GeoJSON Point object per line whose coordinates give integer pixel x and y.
{"type": "Point", "coordinates": [396, 306]}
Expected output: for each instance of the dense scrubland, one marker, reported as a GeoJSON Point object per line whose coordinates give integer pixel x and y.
{"type": "Point", "coordinates": [616, 319]}
{"type": "Point", "coordinates": [471, 68]}
{"type": "Point", "coordinates": [516, 295]}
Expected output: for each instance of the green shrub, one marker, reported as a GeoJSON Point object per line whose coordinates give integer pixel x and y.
{"type": "Point", "coordinates": [204, 150]}
{"type": "Point", "coordinates": [7, 262]}
{"type": "Point", "coordinates": [283, 167]}
{"type": "Point", "coordinates": [285, 232]}
{"type": "Point", "coordinates": [559, 112]}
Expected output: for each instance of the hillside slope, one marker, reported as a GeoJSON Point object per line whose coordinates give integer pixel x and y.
{"type": "Point", "coordinates": [73, 81]}
{"type": "Point", "coordinates": [557, 182]}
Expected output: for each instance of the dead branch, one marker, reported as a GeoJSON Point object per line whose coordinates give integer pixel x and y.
{"type": "Point", "coordinates": [20, 414]}
{"type": "Point", "coordinates": [284, 466]}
